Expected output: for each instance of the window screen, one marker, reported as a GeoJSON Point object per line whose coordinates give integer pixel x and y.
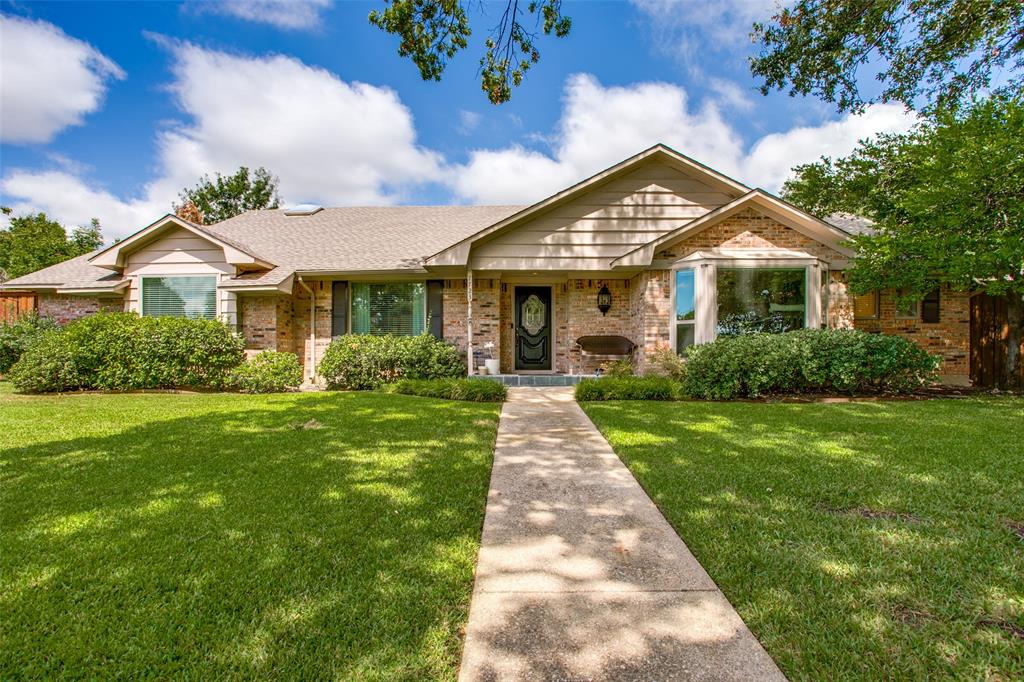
{"type": "Point", "coordinates": [398, 308]}
{"type": "Point", "coordinates": [180, 296]}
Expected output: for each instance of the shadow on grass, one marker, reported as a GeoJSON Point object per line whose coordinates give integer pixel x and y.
{"type": "Point", "coordinates": [296, 537]}
{"type": "Point", "coordinates": [860, 541]}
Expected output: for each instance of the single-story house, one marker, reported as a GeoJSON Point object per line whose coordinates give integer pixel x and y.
{"type": "Point", "coordinates": [658, 249]}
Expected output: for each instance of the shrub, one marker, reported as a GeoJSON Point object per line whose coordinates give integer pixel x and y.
{"type": "Point", "coordinates": [628, 388]}
{"type": "Point", "coordinates": [363, 362]}
{"type": "Point", "coordinates": [819, 360]}
{"type": "Point", "coordinates": [122, 351]}
{"type": "Point", "coordinates": [17, 337]}
{"type": "Point", "coordinates": [623, 367]}
{"type": "Point", "coordinates": [474, 390]}
{"type": "Point", "coordinates": [665, 362]}
{"type": "Point", "coordinates": [268, 372]}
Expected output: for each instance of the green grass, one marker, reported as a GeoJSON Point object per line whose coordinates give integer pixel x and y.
{"type": "Point", "coordinates": [864, 541]}
{"type": "Point", "coordinates": [300, 536]}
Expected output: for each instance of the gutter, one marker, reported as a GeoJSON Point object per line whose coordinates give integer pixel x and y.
{"type": "Point", "coordinates": [312, 329]}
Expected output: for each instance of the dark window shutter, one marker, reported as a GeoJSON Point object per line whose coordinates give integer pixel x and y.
{"type": "Point", "coordinates": [435, 307]}
{"type": "Point", "coordinates": [339, 308]}
{"type": "Point", "coordinates": [930, 307]}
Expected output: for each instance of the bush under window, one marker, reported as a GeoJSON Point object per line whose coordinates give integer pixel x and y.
{"type": "Point", "coordinates": [473, 390]}
{"type": "Point", "coordinates": [628, 388]}
{"type": "Point", "coordinates": [806, 360]}
{"type": "Point", "coordinates": [122, 351]}
{"type": "Point", "coordinates": [364, 361]}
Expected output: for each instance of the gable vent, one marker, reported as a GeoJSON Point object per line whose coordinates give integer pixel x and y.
{"type": "Point", "coordinates": [303, 209]}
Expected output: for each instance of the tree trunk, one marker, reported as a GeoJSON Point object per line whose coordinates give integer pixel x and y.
{"type": "Point", "coordinates": [1015, 322]}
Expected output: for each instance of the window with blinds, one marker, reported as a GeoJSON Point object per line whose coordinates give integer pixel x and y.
{"type": "Point", "coordinates": [193, 296]}
{"type": "Point", "coordinates": [398, 308]}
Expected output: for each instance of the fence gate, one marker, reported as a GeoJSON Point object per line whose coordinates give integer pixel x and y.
{"type": "Point", "coordinates": [14, 305]}
{"type": "Point", "coordinates": [989, 342]}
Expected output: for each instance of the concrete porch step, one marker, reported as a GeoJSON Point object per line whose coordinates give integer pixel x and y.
{"type": "Point", "coordinates": [537, 379]}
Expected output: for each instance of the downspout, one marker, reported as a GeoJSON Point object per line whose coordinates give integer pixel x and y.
{"type": "Point", "coordinates": [312, 329]}
{"type": "Point", "coordinates": [469, 321]}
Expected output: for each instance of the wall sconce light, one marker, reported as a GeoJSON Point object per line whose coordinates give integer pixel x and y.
{"type": "Point", "coordinates": [604, 300]}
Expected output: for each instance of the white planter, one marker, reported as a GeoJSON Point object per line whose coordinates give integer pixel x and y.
{"type": "Point", "coordinates": [493, 366]}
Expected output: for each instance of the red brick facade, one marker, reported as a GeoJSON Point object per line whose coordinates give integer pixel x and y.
{"type": "Point", "coordinates": [62, 308]}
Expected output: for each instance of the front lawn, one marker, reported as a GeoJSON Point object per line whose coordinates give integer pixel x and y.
{"type": "Point", "coordinates": [300, 536]}
{"type": "Point", "coordinates": [858, 541]}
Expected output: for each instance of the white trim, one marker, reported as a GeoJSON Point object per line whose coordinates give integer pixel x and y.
{"type": "Point", "coordinates": [553, 323]}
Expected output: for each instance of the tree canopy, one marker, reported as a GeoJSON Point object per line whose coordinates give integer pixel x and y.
{"type": "Point", "coordinates": [32, 242]}
{"type": "Point", "coordinates": [431, 32]}
{"type": "Point", "coordinates": [941, 52]}
{"type": "Point", "coordinates": [225, 196]}
{"type": "Point", "coordinates": [947, 200]}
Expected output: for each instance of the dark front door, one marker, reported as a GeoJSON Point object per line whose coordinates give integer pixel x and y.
{"type": "Point", "coordinates": [533, 328]}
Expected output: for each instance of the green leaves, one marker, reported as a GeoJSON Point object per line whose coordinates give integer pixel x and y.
{"type": "Point", "coordinates": [939, 53]}
{"type": "Point", "coordinates": [33, 242]}
{"type": "Point", "coordinates": [268, 372]}
{"type": "Point", "coordinates": [363, 361]}
{"type": "Point", "coordinates": [431, 32]}
{"type": "Point", "coordinates": [223, 197]}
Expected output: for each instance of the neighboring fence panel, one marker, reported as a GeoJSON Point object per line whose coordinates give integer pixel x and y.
{"type": "Point", "coordinates": [14, 305]}
{"type": "Point", "coordinates": [989, 347]}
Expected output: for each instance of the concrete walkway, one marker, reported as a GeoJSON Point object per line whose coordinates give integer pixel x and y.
{"type": "Point", "coordinates": [580, 577]}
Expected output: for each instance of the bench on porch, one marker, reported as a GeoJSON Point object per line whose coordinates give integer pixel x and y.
{"type": "Point", "coordinates": [607, 346]}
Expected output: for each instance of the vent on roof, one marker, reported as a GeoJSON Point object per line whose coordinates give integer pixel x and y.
{"type": "Point", "coordinates": [303, 209]}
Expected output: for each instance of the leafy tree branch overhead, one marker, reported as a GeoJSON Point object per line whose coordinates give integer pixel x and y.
{"type": "Point", "coordinates": [225, 196]}
{"type": "Point", "coordinates": [928, 53]}
{"type": "Point", "coordinates": [432, 32]}
{"type": "Point", "coordinates": [32, 242]}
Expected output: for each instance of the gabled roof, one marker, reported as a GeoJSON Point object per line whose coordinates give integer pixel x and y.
{"type": "Point", "coordinates": [458, 254]}
{"type": "Point", "coordinates": [766, 203]}
{"type": "Point", "coordinates": [113, 257]}
{"type": "Point", "coordinates": [76, 273]}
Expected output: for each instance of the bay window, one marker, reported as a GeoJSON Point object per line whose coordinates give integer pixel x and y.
{"type": "Point", "coordinates": [761, 300]}
{"type": "Point", "coordinates": [380, 308]}
{"type": "Point", "coordinates": [192, 296]}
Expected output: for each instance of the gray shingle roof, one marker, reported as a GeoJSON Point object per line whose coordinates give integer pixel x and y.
{"type": "Point", "coordinates": [850, 223]}
{"type": "Point", "coordinates": [346, 239]}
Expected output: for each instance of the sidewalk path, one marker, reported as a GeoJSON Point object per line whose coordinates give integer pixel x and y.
{"type": "Point", "coordinates": [580, 577]}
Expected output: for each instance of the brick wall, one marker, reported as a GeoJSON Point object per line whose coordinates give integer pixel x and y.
{"type": "Point", "coordinates": [300, 327]}
{"type": "Point", "coordinates": [949, 338]}
{"type": "Point", "coordinates": [486, 313]}
{"type": "Point", "coordinates": [63, 309]}
{"type": "Point", "coordinates": [584, 319]}
{"type": "Point", "coordinates": [259, 321]}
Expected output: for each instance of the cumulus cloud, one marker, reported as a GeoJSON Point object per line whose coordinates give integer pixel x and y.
{"type": "Point", "coordinates": [48, 80]}
{"type": "Point", "coordinates": [601, 126]}
{"type": "Point", "coordinates": [291, 15]}
{"type": "Point", "coordinates": [330, 141]}
{"type": "Point", "coordinates": [468, 122]}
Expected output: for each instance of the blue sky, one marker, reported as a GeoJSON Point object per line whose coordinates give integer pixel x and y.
{"type": "Point", "coordinates": [109, 109]}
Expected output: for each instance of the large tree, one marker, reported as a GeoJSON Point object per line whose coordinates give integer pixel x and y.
{"type": "Point", "coordinates": [225, 196]}
{"type": "Point", "coordinates": [924, 53]}
{"type": "Point", "coordinates": [948, 204]}
{"type": "Point", "coordinates": [431, 32]}
{"type": "Point", "coordinates": [33, 242]}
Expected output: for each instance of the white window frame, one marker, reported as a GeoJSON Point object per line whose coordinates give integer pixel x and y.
{"type": "Point", "coordinates": [217, 305]}
{"type": "Point", "coordinates": [705, 283]}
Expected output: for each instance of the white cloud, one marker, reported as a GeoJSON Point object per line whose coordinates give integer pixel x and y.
{"type": "Point", "coordinates": [601, 126]}
{"type": "Point", "coordinates": [468, 122]}
{"type": "Point", "coordinates": [688, 29]}
{"type": "Point", "coordinates": [48, 80]}
{"type": "Point", "coordinates": [731, 95]}
{"type": "Point", "coordinates": [328, 140]}
{"type": "Point", "coordinates": [290, 15]}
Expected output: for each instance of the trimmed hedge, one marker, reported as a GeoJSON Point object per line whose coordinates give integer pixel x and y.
{"type": "Point", "coordinates": [628, 388]}
{"type": "Point", "coordinates": [364, 362]}
{"type": "Point", "coordinates": [473, 390]}
{"type": "Point", "coordinates": [806, 360]}
{"type": "Point", "coordinates": [268, 372]}
{"type": "Point", "coordinates": [16, 338]}
{"type": "Point", "coordinates": [122, 351]}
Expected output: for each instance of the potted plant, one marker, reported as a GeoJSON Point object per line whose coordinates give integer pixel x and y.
{"type": "Point", "coordinates": [492, 363]}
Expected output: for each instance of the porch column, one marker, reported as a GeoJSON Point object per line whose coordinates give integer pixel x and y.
{"type": "Point", "coordinates": [814, 302]}
{"type": "Point", "coordinates": [469, 321]}
{"type": "Point", "coordinates": [705, 302]}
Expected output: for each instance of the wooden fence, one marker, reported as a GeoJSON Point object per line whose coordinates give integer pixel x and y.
{"type": "Point", "coordinates": [989, 346]}
{"type": "Point", "coordinates": [13, 305]}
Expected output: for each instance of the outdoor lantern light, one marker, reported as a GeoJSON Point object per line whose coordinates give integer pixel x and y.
{"type": "Point", "coordinates": [604, 300]}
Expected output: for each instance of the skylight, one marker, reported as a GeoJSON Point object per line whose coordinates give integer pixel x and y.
{"type": "Point", "coordinates": [303, 209]}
